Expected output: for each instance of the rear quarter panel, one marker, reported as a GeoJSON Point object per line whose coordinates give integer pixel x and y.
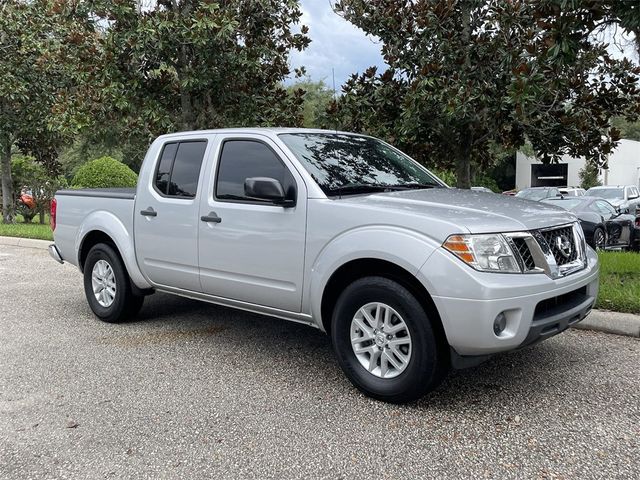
{"type": "Point", "coordinates": [77, 216]}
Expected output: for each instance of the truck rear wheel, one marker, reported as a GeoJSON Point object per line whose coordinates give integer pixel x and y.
{"type": "Point", "coordinates": [385, 342]}
{"type": "Point", "coordinates": [107, 286]}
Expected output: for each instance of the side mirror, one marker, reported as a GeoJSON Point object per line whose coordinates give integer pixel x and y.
{"type": "Point", "coordinates": [265, 188]}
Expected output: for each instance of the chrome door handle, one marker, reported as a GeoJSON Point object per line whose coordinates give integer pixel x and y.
{"type": "Point", "coordinates": [149, 212]}
{"type": "Point", "coordinates": [211, 218]}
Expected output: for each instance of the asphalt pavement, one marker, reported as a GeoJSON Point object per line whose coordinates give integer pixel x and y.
{"type": "Point", "coordinates": [191, 390]}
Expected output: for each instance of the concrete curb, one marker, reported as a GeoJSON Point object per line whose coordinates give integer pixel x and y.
{"type": "Point", "coordinates": [615, 323]}
{"type": "Point", "coordinates": [25, 242]}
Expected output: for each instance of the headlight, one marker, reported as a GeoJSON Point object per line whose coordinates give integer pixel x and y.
{"type": "Point", "coordinates": [487, 253]}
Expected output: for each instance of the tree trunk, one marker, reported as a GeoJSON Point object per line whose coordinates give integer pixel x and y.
{"type": "Point", "coordinates": [8, 206]}
{"type": "Point", "coordinates": [463, 157]}
{"type": "Point", "coordinates": [463, 168]}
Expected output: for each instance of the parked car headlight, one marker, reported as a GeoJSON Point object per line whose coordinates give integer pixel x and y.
{"type": "Point", "coordinates": [487, 253]}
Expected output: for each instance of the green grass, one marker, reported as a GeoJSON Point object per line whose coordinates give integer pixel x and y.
{"type": "Point", "coordinates": [619, 282]}
{"type": "Point", "coordinates": [27, 230]}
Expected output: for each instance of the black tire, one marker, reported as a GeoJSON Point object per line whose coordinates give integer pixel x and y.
{"type": "Point", "coordinates": [428, 363]}
{"type": "Point", "coordinates": [597, 234]}
{"type": "Point", "coordinates": [125, 304]}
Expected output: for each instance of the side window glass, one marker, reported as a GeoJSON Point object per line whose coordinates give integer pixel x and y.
{"type": "Point", "coordinates": [179, 168]}
{"type": "Point", "coordinates": [242, 159]}
{"type": "Point", "coordinates": [186, 169]}
{"type": "Point", "coordinates": [605, 209]}
{"type": "Point", "coordinates": [163, 173]}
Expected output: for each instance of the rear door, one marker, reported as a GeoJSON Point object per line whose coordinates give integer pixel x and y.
{"type": "Point", "coordinates": [166, 214]}
{"type": "Point", "coordinates": [252, 250]}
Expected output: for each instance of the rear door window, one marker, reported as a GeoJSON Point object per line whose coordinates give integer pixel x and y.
{"type": "Point", "coordinates": [179, 168]}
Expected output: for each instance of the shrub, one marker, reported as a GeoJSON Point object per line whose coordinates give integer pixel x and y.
{"type": "Point", "coordinates": [104, 172]}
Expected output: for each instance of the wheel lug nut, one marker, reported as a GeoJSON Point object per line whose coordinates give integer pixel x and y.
{"type": "Point", "coordinates": [389, 337]}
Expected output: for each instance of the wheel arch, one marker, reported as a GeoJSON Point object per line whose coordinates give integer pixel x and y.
{"type": "Point", "coordinates": [365, 267]}
{"type": "Point", "coordinates": [105, 227]}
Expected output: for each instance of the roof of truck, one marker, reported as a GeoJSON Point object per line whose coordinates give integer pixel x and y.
{"type": "Point", "coordinates": [271, 130]}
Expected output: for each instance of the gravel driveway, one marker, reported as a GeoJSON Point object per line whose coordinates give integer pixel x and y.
{"type": "Point", "coordinates": [197, 391]}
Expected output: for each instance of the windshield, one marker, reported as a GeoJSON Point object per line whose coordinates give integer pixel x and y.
{"type": "Point", "coordinates": [608, 193]}
{"type": "Point", "coordinates": [342, 163]}
{"type": "Point", "coordinates": [566, 204]}
{"type": "Point", "coordinates": [533, 194]}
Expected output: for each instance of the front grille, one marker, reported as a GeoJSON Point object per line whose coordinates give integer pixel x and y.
{"type": "Point", "coordinates": [522, 249]}
{"type": "Point", "coordinates": [562, 244]}
{"type": "Point", "coordinates": [565, 302]}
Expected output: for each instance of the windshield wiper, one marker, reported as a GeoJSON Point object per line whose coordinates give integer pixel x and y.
{"type": "Point", "coordinates": [355, 188]}
{"type": "Point", "coordinates": [415, 186]}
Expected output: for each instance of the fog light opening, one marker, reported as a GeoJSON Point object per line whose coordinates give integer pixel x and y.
{"type": "Point", "coordinates": [499, 324]}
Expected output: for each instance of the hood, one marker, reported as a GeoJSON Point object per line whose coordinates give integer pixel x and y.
{"type": "Point", "coordinates": [477, 212]}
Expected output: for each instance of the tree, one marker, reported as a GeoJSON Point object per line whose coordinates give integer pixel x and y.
{"type": "Point", "coordinates": [469, 77]}
{"type": "Point", "coordinates": [192, 64]}
{"type": "Point", "coordinates": [317, 98]}
{"type": "Point", "coordinates": [589, 176]}
{"type": "Point", "coordinates": [41, 54]}
{"type": "Point", "coordinates": [627, 129]}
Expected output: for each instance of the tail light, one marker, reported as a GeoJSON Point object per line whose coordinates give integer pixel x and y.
{"type": "Point", "coordinates": [637, 222]}
{"type": "Point", "coordinates": [54, 208]}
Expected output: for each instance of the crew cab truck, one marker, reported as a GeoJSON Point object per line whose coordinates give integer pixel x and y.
{"type": "Point", "coordinates": [339, 231]}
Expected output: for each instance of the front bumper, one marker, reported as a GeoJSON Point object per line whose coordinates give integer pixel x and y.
{"type": "Point", "coordinates": [536, 306]}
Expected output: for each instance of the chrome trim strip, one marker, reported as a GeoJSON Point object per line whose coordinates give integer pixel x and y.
{"type": "Point", "coordinates": [543, 258]}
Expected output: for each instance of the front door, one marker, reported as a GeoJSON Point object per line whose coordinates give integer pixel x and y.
{"type": "Point", "coordinates": [166, 214]}
{"type": "Point", "coordinates": [252, 250]}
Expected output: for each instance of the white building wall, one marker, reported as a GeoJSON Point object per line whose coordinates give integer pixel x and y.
{"type": "Point", "coordinates": [624, 167]}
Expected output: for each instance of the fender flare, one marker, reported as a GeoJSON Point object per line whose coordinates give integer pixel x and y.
{"type": "Point", "coordinates": [409, 250]}
{"type": "Point", "coordinates": [109, 224]}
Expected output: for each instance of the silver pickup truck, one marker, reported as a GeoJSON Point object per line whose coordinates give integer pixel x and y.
{"type": "Point", "coordinates": [339, 231]}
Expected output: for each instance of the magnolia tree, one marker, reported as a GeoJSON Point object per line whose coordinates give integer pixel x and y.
{"type": "Point", "coordinates": [42, 53]}
{"type": "Point", "coordinates": [467, 78]}
{"type": "Point", "coordinates": [191, 64]}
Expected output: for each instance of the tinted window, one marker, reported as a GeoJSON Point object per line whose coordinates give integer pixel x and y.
{"type": "Point", "coordinates": [339, 161]}
{"type": "Point", "coordinates": [186, 169]}
{"type": "Point", "coordinates": [242, 159]}
{"type": "Point", "coordinates": [163, 173]}
{"type": "Point", "coordinates": [179, 168]}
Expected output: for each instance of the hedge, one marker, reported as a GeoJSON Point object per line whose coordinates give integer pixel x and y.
{"type": "Point", "coordinates": [104, 172]}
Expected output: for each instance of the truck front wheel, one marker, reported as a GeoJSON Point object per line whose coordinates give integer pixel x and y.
{"type": "Point", "coordinates": [107, 286]}
{"type": "Point", "coordinates": [385, 342]}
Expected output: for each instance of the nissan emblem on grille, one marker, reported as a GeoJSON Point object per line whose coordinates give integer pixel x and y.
{"type": "Point", "coordinates": [563, 244]}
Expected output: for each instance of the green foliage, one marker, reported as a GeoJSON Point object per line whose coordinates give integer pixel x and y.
{"type": "Point", "coordinates": [193, 64]}
{"type": "Point", "coordinates": [447, 176]}
{"type": "Point", "coordinates": [317, 99]}
{"type": "Point", "coordinates": [465, 77]}
{"type": "Point", "coordinates": [31, 177]}
{"type": "Point", "coordinates": [628, 130]}
{"type": "Point", "coordinates": [105, 172]}
{"type": "Point", "coordinates": [40, 57]}
{"type": "Point", "coordinates": [84, 148]}
{"type": "Point", "coordinates": [589, 176]}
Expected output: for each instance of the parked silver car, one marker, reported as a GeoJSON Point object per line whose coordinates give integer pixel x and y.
{"type": "Point", "coordinates": [341, 232]}
{"type": "Point", "coordinates": [626, 198]}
